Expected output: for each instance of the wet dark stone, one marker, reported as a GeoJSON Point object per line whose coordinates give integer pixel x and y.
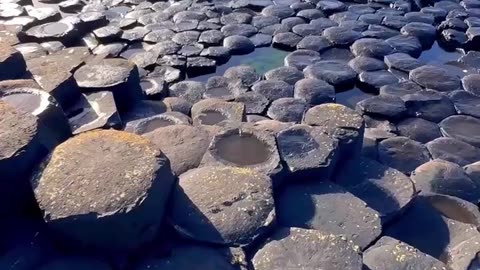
{"type": "Point", "coordinates": [447, 178]}
{"type": "Point", "coordinates": [473, 36]}
{"type": "Point", "coordinates": [395, 22]}
{"type": "Point", "coordinates": [472, 58]}
{"type": "Point", "coordinates": [154, 87]}
{"type": "Point", "coordinates": [177, 104]}
{"type": "Point", "coordinates": [263, 21]}
{"type": "Point", "coordinates": [214, 111]}
{"type": "Point", "coordinates": [314, 91]}
{"type": "Point", "coordinates": [191, 50]}
{"type": "Point", "coordinates": [383, 188]}
{"type": "Point", "coordinates": [358, 222]}
{"type": "Point", "coordinates": [299, 6]}
{"type": "Point", "coordinates": [419, 129]}
{"type": "Point", "coordinates": [261, 40]}
{"type": "Point", "coordinates": [341, 36]}
{"type": "Point", "coordinates": [453, 23]}
{"type": "Point", "coordinates": [286, 40]}
{"type": "Point", "coordinates": [371, 18]}
{"type": "Point", "coordinates": [429, 105]}
{"type": "Point", "coordinates": [358, 26]}
{"type": "Point", "coordinates": [112, 49]}
{"type": "Point", "coordinates": [471, 84]}
{"type": "Point", "coordinates": [344, 16]}
{"type": "Point", "coordinates": [373, 80]}
{"type": "Point", "coordinates": [438, 13]}
{"type": "Point", "coordinates": [288, 74]}
{"type": "Point", "coordinates": [310, 14]}
{"type": "Point", "coordinates": [386, 106]}
{"type": "Point", "coordinates": [56, 31]}
{"type": "Point", "coordinates": [335, 73]}
{"type": "Point", "coordinates": [222, 88]}
{"type": "Point", "coordinates": [331, 6]}
{"type": "Point", "coordinates": [307, 152]}
{"type": "Point", "coordinates": [238, 44]}
{"type": "Point", "coordinates": [190, 90]}
{"type": "Point", "coordinates": [191, 255]}
{"type": "Point", "coordinates": [245, 147]}
{"type": "Point", "coordinates": [200, 65]}
{"type": "Point", "coordinates": [300, 59]}
{"type": "Point", "coordinates": [388, 251]}
{"type": "Point", "coordinates": [462, 127]}
{"type": "Point", "coordinates": [159, 35]}
{"type": "Point", "coordinates": [425, 33]}
{"type": "Point", "coordinates": [254, 103]}
{"type": "Point", "coordinates": [472, 22]}
{"type": "Point", "coordinates": [274, 29]}
{"type": "Point", "coordinates": [108, 34]}
{"type": "Point", "coordinates": [287, 109]}
{"type": "Point", "coordinates": [420, 17]}
{"type": "Point", "coordinates": [115, 75]}
{"type": "Point", "coordinates": [453, 150]}
{"type": "Point", "coordinates": [314, 43]}
{"type": "Point", "coordinates": [465, 103]}
{"type": "Point", "coordinates": [175, 61]}
{"type": "Point", "coordinates": [188, 15]}
{"type": "Point", "coordinates": [323, 23]}
{"type": "Point", "coordinates": [371, 47]}
{"type": "Point", "coordinates": [473, 171]}
{"type": "Point", "coordinates": [134, 34]}
{"type": "Point", "coordinates": [76, 263]}
{"type": "Point", "coordinates": [453, 38]}
{"type": "Point", "coordinates": [219, 53]}
{"type": "Point", "coordinates": [12, 63]}
{"type": "Point", "coordinates": [168, 74]}
{"type": "Point", "coordinates": [165, 47]}
{"type": "Point", "coordinates": [406, 44]}
{"type": "Point", "coordinates": [273, 89]}
{"type": "Point", "coordinates": [94, 111]}
{"type": "Point", "coordinates": [380, 32]}
{"type": "Point", "coordinates": [363, 63]}
{"type": "Point", "coordinates": [340, 122]}
{"type": "Point", "coordinates": [186, 38]}
{"type": "Point", "coordinates": [154, 182]}
{"type": "Point", "coordinates": [304, 30]}
{"type": "Point", "coordinates": [243, 73]}
{"type": "Point", "coordinates": [292, 21]}
{"type": "Point", "coordinates": [288, 247]}
{"type": "Point", "coordinates": [435, 77]}
{"type": "Point", "coordinates": [239, 29]}
{"type": "Point", "coordinates": [402, 62]}
{"type": "Point", "coordinates": [280, 11]}
{"type": "Point", "coordinates": [151, 123]}
{"type": "Point", "coordinates": [402, 154]}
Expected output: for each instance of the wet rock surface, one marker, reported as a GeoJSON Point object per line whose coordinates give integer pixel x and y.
{"type": "Point", "coordinates": [296, 96]}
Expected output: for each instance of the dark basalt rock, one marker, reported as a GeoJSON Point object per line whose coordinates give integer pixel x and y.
{"type": "Point", "coordinates": [151, 123]}
{"type": "Point", "coordinates": [263, 21]}
{"type": "Point", "coordinates": [273, 89]}
{"type": "Point", "coordinates": [419, 129]}
{"type": "Point", "coordinates": [159, 35]}
{"type": "Point", "coordinates": [12, 63]}
{"type": "Point", "coordinates": [380, 32]}
{"type": "Point", "coordinates": [192, 91]}
{"type": "Point", "coordinates": [188, 256]}
{"type": "Point", "coordinates": [471, 84]}
{"type": "Point", "coordinates": [257, 148]}
{"type": "Point", "coordinates": [420, 17]}
{"type": "Point", "coordinates": [336, 73]}
{"type": "Point", "coordinates": [341, 36]}
{"type": "Point", "coordinates": [429, 105]}
{"type": "Point", "coordinates": [121, 154]}
{"type": "Point", "coordinates": [236, 18]}
{"type": "Point", "coordinates": [186, 37]}
{"type": "Point", "coordinates": [43, 14]}
{"type": "Point", "coordinates": [435, 77]}
{"type": "Point", "coordinates": [275, 29]}
{"type": "Point", "coordinates": [200, 65]}
{"type": "Point", "coordinates": [114, 75]}
{"type": "Point", "coordinates": [307, 152]}
{"type": "Point", "coordinates": [392, 252]}
{"type": "Point", "coordinates": [473, 171]}
{"type": "Point", "coordinates": [223, 88]}
{"type": "Point", "coordinates": [438, 13]}
{"type": "Point", "coordinates": [406, 44]}
{"type": "Point", "coordinates": [363, 63]}
{"type": "Point", "coordinates": [94, 111]}
{"type": "Point", "coordinates": [165, 48]}
{"type": "Point", "coordinates": [465, 103]}
{"type": "Point", "coordinates": [288, 74]}
{"type": "Point", "coordinates": [340, 122]}
{"type": "Point", "coordinates": [444, 177]}
{"type": "Point", "coordinates": [53, 125]}
{"type": "Point", "coordinates": [402, 154]}
{"type": "Point", "coordinates": [112, 49]}
{"type": "Point", "coordinates": [254, 103]}
{"type": "Point", "coordinates": [219, 53]}
{"type": "Point", "coordinates": [280, 11]}
{"type": "Point", "coordinates": [314, 43]}
{"type": "Point", "coordinates": [472, 58]}
{"type": "Point", "coordinates": [291, 248]}
{"type": "Point", "coordinates": [383, 188]}
{"type": "Point", "coordinates": [242, 205]}
{"type": "Point", "coordinates": [144, 60]}
{"type": "Point", "coordinates": [306, 30]}
{"type": "Point", "coordinates": [337, 54]}
{"type": "Point", "coordinates": [371, 47]}
{"type": "Point", "coordinates": [300, 59]}
{"type": "Point", "coordinates": [314, 91]}
{"type": "Point", "coordinates": [453, 38]}
{"type": "Point", "coordinates": [168, 74]}
{"type": "Point", "coordinates": [344, 16]}
{"type": "Point", "coordinates": [21, 148]}
{"type": "Point", "coordinates": [395, 22]}
{"type": "Point", "coordinates": [287, 109]}
{"type": "Point", "coordinates": [286, 40]}
{"type": "Point", "coordinates": [453, 23]}
{"type": "Point", "coordinates": [245, 74]}
{"type": "Point", "coordinates": [55, 31]}
{"type": "Point", "coordinates": [473, 35]}
{"type": "Point", "coordinates": [425, 33]}
{"type": "Point", "coordinates": [177, 104]}
{"type": "Point", "coordinates": [400, 89]}
{"type": "Point", "coordinates": [154, 87]}
{"type": "Point", "coordinates": [310, 14]}
{"type": "Point", "coordinates": [358, 26]}
{"type": "Point", "coordinates": [462, 127]}
{"type": "Point", "coordinates": [373, 80]}
{"type": "Point", "coordinates": [184, 145]}
{"type": "Point", "coordinates": [238, 44]}
{"type": "Point", "coordinates": [357, 222]}
{"type": "Point", "coordinates": [402, 62]}
{"type": "Point", "coordinates": [371, 139]}
{"type": "Point", "coordinates": [214, 111]}
{"type": "Point", "coordinates": [211, 37]}
{"type": "Point", "coordinates": [108, 33]}
{"type": "Point", "coordinates": [76, 263]}
{"type": "Point", "coordinates": [371, 18]}
{"type": "Point", "coordinates": [453, 150]}
{"type": "Point", "coordinates": [385, 106]}
{"type": "Point", "coordinates": [323, 23]}
{"type": "Point", "coordinates": [261, 40]}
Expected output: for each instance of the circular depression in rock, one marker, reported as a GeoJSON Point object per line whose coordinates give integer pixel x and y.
{"type": "Point", "coordinates": [23, 100]}
{"type": "Point", "coordinates": [211, 117]}
{"type": "Point", "coordinates": [242, 149]}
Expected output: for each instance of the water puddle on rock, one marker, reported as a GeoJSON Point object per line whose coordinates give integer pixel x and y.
{"type": "Point", "coordinates": [351, 97]}
{"type": "Point", "coordinates": [438, 55]}
{"type": "Point", "coordinates": [262, 59]}
{"type": "Point", "coordinates": [25, 101]}
{"type": "Point", "coordinates": [242, 149]}
{"type": "Point", "coordinates": [156, 123]}
{"type": "Point", "coordinates": [211, 118]}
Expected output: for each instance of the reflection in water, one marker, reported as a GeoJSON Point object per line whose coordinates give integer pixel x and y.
{"type": "Point", "coordinates": [438, 55]}
{"type": "Point", "coordinates": [351, 97]}
{"type": "Point", "coordinates": [242, 149]}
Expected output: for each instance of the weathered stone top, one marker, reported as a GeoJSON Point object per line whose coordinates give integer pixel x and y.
{"type": "Point", "coordinates": [107, 73]}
